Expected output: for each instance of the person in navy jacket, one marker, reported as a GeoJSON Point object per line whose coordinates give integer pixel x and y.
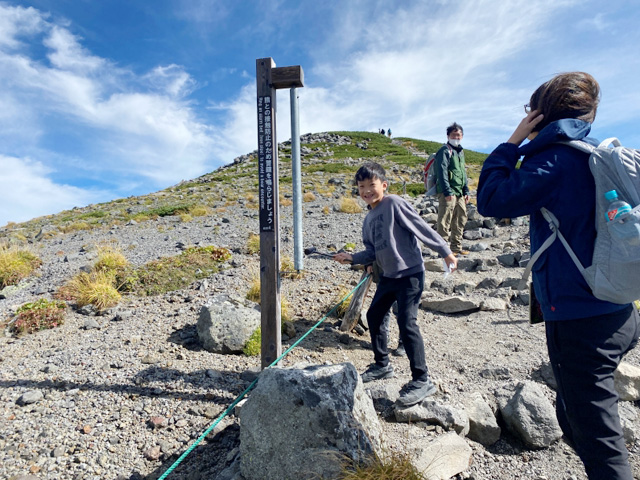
{"type": "Point", "coordinates": [586, 337]}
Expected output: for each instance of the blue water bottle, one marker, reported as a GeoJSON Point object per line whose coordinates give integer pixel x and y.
{"type": "Point", "coordinates": [616, 207]}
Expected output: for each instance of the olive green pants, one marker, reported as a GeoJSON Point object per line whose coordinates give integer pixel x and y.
{"type": "Point", "coordinates": [452, 216]}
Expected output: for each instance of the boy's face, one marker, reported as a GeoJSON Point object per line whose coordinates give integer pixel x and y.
{"type": "Point", "coordinates": [372, 190]}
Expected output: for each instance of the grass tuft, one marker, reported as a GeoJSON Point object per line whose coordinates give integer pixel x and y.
{"type": "Point", "coordinates": [394, 467]}
{"type": "Point", "coordinates": [16, 265]}
{"type": "Point", "coordinates": [96, 288]}
{"type": "Point", "coordinates": [349, 205]}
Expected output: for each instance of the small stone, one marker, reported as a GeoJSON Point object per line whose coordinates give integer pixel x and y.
{"type": "Point", "coordinates": [153, 453]}
{"type": "Point", "coordinates": [57, 452]}
{"type": "Point", "coordinates": [86, 429]}
{"type": "Point", "coordinates": [30, 397]}
{"type": "Point", "coordinates": [158, 422]}
{"type": "Point", "coordinates": [90, 324]}
{"type": "Point", "coordinates": [149, 360]}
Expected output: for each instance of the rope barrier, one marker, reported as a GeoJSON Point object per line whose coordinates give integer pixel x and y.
{"type": "Point", "coordinates": [250, 387]}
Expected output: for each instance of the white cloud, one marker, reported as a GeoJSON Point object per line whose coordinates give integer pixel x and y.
{"type": "Point", "coordinates": [67, 53]}
{"type": "Point", "coordinates": [18, 21]}
{"type": "Point", "coordinates": [171, 79]}
{"type": "Point", "coordinates": [141, 124]}
{"type": "Point", "coordinates": [27, 191]}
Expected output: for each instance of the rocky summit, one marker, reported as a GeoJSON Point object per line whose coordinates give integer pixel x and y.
{"type": "Point", "coordinates": [123, 392]}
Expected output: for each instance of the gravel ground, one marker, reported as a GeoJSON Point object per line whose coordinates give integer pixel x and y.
{"type": "Point", "coordinates": [123, 398]}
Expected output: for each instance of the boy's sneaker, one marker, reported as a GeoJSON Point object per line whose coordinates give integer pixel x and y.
{"type": "Point", "coordinates": [376, 372]}
{"type": "Point", "coordinates": [415, 391]}
{"type": "Point", "coordinates": [400, 351]}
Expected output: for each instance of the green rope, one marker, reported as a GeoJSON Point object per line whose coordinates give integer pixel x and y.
{"type": "Point", "coordinates": [248, 389]}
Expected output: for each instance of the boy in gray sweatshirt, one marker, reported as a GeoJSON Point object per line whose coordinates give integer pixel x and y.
{"type": "Point", "coordinates": [390, 234]}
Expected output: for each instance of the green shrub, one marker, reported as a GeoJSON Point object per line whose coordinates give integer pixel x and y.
{"type": "Point", "coordinates": [16, 265]}
{"type": "Point", "coordinates": [173, 273]}
{"type": "Point", "coordinates": [254, 344]}
{"type": "Point", "coordinates": [39, 315]}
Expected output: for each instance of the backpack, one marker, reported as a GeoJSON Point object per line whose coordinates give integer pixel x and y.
{"type": "Point", "coordinates": [614, 274]}
{"type": "Point", "coordinates": [430, 177]}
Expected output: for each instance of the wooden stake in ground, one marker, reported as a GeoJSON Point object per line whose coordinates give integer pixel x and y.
{"type": "Point", "coordinates": [268, 79]}
{"type": "Point", "coordinates": [352, 315]}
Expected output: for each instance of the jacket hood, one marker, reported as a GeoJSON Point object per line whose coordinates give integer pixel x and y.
{"type": "Point", "coordinates": [558, 131]}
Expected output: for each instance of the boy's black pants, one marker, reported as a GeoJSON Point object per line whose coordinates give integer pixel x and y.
{"type": "Point", "coordinates": [406, 291]}
{"type": "Point", "coordinates": [584, 353]}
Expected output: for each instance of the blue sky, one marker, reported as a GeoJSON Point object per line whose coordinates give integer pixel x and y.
{"type": "Point", "coordinates": [103, 99]}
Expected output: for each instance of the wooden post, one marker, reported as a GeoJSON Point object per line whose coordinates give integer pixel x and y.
{"type": "Point", "coordinates": [268, 79]}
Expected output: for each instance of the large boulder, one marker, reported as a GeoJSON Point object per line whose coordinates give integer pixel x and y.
{"type": "Point", "coordinates": [304, 422]}
{"type": "Point", "coordinates": [225, 324]}
{"type": "Point", "coordinates": [528, 414]}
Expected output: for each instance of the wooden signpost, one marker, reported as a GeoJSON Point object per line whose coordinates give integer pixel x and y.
{"type": "Point", "coordinates": [268, 80]}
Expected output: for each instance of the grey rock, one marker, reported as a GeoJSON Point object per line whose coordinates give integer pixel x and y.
{"type": "Point", "coordinates": [464, 288]}
{"type": "Point", "coordinates": [507, 259]}
{"type": "Point", "coordinates": [384, 396]}
{"type": "Point", "coordinates": [479, 247]}
{"type": "Point", "coordinates": [489, 223]}
{"type": "Point", "coordinates": [225, 328]}
{"type": "Point", "coordinates": [499, 373]}
{"type": "Point", "coordinates": [444, 458]}
{"type": "Point", "coordinates": [90, 324]}
{"type": "Point", "coordinates": [489, 283]}
{"type": "Point", "coordinates": [629, 421]}
{"type": "Point", "coordinates": [627, 382]}
{"type": "Point", "coordinates": [122, 314]}
{"type": "Point", "coordinates": [528, 414]}
{"type": "Point", "coordinates": [493, 305]}
{"type": "Point", "coordinates": [472, 235]}
{"type": "Point", "coordinates": [32, 396]}
{"type": "Point", "coordinates": [483, 425]}
{"type": "Point", "coordinates": [316, 416]}
{"type": "Point", "coordinates": [473, 224]}
{"type": "Point", "coordinates": [451, 305]}
{"type": "Point", "coordinates": [433, 412]}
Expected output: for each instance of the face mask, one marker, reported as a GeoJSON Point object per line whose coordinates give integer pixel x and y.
{"type": "Point", "coordinates": [454, 143]}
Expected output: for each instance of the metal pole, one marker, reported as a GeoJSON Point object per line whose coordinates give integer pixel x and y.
{"type": "Point", "coordinates": [297, 182]}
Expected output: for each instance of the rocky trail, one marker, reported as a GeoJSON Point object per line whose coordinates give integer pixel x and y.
{"type": "Point", "coordinates": [121, 395]}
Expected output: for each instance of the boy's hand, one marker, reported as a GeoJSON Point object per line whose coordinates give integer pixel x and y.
{"type": "Point", "coordinates": [343, 257]}
{"type": "Point", "coordinates": [452, 261]}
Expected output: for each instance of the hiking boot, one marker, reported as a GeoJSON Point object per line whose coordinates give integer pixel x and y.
{"type": "Point", "coordinates": [400, 351]}
{"type": "Point", "coordinates": [460, 252]}
{"type": "Point", "coordinates": [415, 391]}
{"type": "Point", "coordinates": [376, 372]}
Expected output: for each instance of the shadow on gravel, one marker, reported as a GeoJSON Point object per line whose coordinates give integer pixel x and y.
{"type": "Point", "coordinates": [206, 461]}
{"type": "Point", "coordinates": [170, 377]}
{"type": "Point", "coordinates": [187, 337]}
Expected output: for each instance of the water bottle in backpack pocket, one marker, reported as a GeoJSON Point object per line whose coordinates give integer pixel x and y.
{"type": "Point", "coordinates": [623, 224]}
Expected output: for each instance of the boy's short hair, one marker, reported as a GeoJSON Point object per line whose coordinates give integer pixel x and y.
{"type": "Point", "coordinates": [454, 127]}
{"type": "Point", "coordinates": [371, 170]}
